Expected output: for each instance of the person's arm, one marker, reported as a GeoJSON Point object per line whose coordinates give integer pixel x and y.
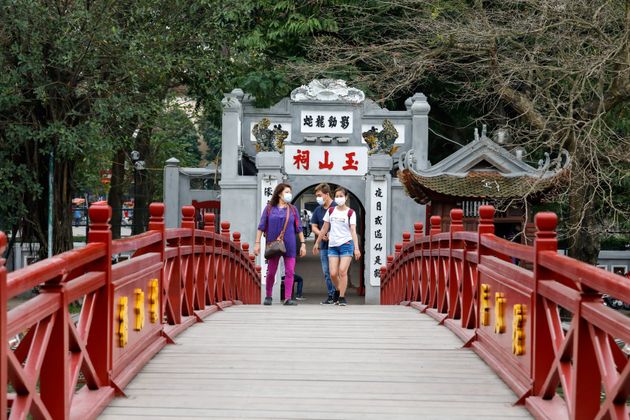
{"type": "Point", "coordinates": [257, 244]}
{"type": "Point", "coordinates": [315, 229]}
{"type": "Point", "coordinates": [302, 244]}
{"type": "Point", "coordinates": [321, 235]}
{"type": "Point", "coordinates": [353, 232]}
{"type": "Point", "coordinates": [262, 228]}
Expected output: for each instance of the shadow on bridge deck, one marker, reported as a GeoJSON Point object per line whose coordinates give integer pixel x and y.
{"type": "Point", "coordinates": [316, 362]}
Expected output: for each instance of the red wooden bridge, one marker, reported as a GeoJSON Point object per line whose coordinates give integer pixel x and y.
{"type": "Point", "coordinates": [534, 317]}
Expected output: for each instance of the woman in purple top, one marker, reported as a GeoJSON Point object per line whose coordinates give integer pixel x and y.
{"type": "Point", "coordinates": [271, 224]}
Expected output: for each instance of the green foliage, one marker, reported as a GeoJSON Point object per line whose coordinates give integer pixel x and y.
{"type": "Point", "coordinates": [80, 79]}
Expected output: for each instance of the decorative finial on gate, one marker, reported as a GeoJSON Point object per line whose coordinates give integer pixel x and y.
{"type": "Point", "coordinates": [237, 238]}
{"type": "Point", "coordinates": [245, 247]}
{"type": "Point", "coordinates": [398, 248]}
{"type": "Point", "coordinates": [406, 238]}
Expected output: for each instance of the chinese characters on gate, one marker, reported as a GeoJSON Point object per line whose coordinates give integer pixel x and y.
{"type": "Point", "coordinates": [377, 230]}
{"type": "Point", "coordinates": [266, 191]}
{"type": "Point", "coordinates": [324, 160]}
{"type": "Point", "coordinates": [326, 122]}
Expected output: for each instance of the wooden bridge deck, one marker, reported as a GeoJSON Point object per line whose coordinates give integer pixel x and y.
{"type": "Point", "coordinates": [316, 362]}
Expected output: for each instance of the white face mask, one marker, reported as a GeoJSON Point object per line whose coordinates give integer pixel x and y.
{"type": "Point", "coordinates": [320, 200]}
{"type": "Point", "coordinates": [287, 197]}
{"type": "Point", "coordinates": [340, 201]}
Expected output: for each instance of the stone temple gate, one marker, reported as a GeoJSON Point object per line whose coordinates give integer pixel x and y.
{"type": "Point", "coordinates": [322, 125]}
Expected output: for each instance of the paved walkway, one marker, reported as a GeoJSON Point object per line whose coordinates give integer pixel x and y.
{"type": "Point", "coordinates": [316, 362]}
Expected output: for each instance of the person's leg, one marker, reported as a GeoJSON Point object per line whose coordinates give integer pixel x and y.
{"type": "Point", "coordinates": [272, 267]}
{"type": "Point", "coordinates": [300, 284]}
{"type": "Point", "coordinates": [333, 262]}
{"type": "Point", "coordinates": [323, 255]}
{"type": "Point", "coordinates": [344, 264]}
{"type": "Point", "coordinates": [333, 266]}
{"type": "Point", "coordinates": [289, 269]}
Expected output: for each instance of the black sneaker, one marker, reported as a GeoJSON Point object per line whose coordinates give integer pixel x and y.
{"type": "Point", "coordinates": [336, 297]}
{"type": "Point", "coordinates": [342, 301]}
{"type": "Point", "coordinates": [329, 301]}
{"type": "Point", "coordinates": [290, 302]}
{"type": "Point", "coordinates": [267, 301]}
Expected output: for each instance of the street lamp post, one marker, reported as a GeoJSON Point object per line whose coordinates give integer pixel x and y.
{"type": "Point", "coordinates": [138, 165]}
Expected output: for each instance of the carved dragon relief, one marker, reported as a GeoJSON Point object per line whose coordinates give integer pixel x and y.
{"type": "Point", "coordinates": [382, 141]}
{"type": "Point", "coordinates": [268, 140]}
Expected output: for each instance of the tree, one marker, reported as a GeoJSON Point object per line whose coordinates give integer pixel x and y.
{"type": "Point", "coordinates": [77, 79]}
{"type": "Point", "coordinates": [555, 73]}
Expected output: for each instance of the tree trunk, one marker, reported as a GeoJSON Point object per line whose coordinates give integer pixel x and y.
{"type": "Point", "coordinates": [116, 192]}
{"type": "Point", "coordinates": [62, 206]}
{"type": "Point", "coordinates": [141, 199]}
{"type": "Point", "coordinates": [583, 243]}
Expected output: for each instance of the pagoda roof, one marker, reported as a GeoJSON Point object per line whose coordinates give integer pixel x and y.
{"type": "Point", "coordinates": [482, 169]}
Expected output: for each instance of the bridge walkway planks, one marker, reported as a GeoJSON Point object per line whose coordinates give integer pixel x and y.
{"type": "Point", "coordinates": [316, 362]}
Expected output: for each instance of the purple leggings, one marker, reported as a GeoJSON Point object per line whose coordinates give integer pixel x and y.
{"type": "Point", "coordinates": [289, 269]}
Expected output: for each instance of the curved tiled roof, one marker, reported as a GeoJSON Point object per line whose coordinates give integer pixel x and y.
{"type": "Point", "coordinates": [478, 185]}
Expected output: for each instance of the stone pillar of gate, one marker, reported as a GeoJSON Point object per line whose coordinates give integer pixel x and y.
{"type": "Point", "coordinates": [377, 223]}
{"type": "Point", "coordinates": [171, 193]}
{"type": "Point", "coordinates": [420, 129]}
{"type": "Point", "coordinates": [269, 165]}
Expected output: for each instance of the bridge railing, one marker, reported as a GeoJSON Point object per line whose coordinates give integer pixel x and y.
{"type": "Point", "coordinates": [95, 324]}
{"type": "Point", "coordinates": [536, 317]}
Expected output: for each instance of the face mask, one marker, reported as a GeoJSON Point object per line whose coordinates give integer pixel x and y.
{"type": "Point", "coordinates": [320, 200]}
{"type": "Point", "coordinates": [340, 201]}
{"type": "Point", "coordinates": [287, 197]}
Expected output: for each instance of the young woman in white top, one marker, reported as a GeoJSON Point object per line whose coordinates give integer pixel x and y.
{"type": "Point", "coordinates": [341, 220]}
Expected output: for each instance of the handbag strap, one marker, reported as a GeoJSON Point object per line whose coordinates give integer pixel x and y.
{"type": "Point", "coordinates": [286, 222]}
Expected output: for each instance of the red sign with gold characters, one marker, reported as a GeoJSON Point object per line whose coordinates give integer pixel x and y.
{"type": "Point", "coordinates": [324, 160]}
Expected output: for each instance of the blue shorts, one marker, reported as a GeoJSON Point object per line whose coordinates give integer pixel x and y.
{"type": "Point", "coordinates": [345, 250]}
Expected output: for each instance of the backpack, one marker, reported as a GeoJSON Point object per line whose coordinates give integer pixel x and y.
{"type": "Point", "coordinates": [350, 213]}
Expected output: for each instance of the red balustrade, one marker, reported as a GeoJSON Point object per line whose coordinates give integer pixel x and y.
{"type": "Point", "coordinates": [72, 364]}
{"type": "Point", "coordinates": [507, 301]}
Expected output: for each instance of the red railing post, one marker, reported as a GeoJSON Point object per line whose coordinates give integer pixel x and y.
{"type": "Point", "coordinates": [418, 233]}
{"type": "Point", "coordinates": [391, 283]}
{"type": "Point", "coordinates": [100, 337]}
{"type": "Point", "coordinates": [255, 297]}
{"type": "Point", "coordinates": [407, 268]}
{"type": "Point", "coordinates": [236, 269]}
{"type": "Point", "coordinates": [542, 354]}
{"type": "Point", "coordinates": [156, 223]}
{"type": "Point", "coordinates": [453, 280]}
{"type": "Point", "coordinates": [211, 270]}
{"type": "Point", "coordinates": [397, 268]}
{"type": "Point", "coordinates": [247, 285]}
{"type": "Point", "coordinates": [384, 286]}
{"type": "Point", "coordinates": [188, 268]}
{"type": "Point", "coordinates": [224, 269]}
{"type": "Point", "coordinates": [3, 328]}
{"type": "Point", "coordinates": [434, 260]}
